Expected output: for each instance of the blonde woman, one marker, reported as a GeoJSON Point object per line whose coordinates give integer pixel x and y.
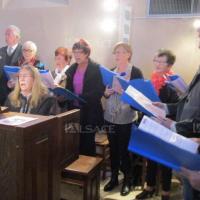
{"type": "Point", "coordinates": [30, 95]}
{"type": "Point", "coordinates": [119, 118]}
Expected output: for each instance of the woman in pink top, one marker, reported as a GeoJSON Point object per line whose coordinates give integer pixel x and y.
{"type": "Point", "coordinates": [84, 79]}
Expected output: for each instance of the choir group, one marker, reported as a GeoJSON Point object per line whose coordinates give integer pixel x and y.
{"type": "Point", "coordinates": [83, 77]}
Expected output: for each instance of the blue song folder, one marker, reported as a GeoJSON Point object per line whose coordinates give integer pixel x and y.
{"type": "Point", "coordinates": [162, 152]}
{"type": "Point", "coordinates": [107, 76]}
{"type": "Point", "coordinates": [11, 72]}
{"type": "Point", "coordinates": [67, 94]}
{"type": "Point", "coordinates": [143, 86]}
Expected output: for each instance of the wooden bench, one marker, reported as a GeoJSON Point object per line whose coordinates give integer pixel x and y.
{"type": "Point", "coordinates": [103, 151]}
{"type": "Point", "coordinates": [85, 172]}
{"type": "Point", "coordinates": [3, 109]}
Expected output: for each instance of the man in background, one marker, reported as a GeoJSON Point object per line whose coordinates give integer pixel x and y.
{"type": "Point", "coordinates": [9, 55]}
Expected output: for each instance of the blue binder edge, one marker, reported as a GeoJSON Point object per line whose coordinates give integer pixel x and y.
{"type": "Point", "coordinates": [67, 94]}
{"type": "Point", "coordinates": [162, 152]}
{"type": "Point", "coordinates": [107, 76]}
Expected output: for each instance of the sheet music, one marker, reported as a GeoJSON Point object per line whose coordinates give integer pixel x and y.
{"type": "Point", "coordinates": [47, 78]}
{"type": "Point", "coordinates": [152, 127]}
{"type": "Point", "coordinates": [16, 120]}
{"type": "Point", "coordinates": [145, 102]}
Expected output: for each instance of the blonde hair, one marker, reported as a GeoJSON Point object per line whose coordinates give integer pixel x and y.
{"type": "Point", "coordinates": [38, 89]}
{"type": "Point", "coordinates": [126, 46]}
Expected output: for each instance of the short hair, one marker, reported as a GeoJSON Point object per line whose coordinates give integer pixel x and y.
{"type": "Point", "coordinates": [38, 90]}
{"type": "Point", "coordinates": [64, 52]}
{"type": "Point", "coordinates": [30, 44]}
{"type": "Point", "coordinates": [171, 58]}
{"type": "Point", "coordinates": [83, 45]}
{"type": "Point", "coordinates": [15, 29]}
{"type": "Point", "coordinates": [126, 46]}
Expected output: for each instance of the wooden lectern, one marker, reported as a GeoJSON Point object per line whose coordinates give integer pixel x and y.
{"type": "Point", "coordinates": [32, 155]}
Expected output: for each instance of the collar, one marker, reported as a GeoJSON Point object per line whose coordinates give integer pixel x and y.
{"type": "Point", "coordinates": [126, 74]}
{"type": "Point", "coordinates": [13, 47]}
{"type": "Point", "coordinates": [26, 97]}
{"type": "Point", "coordinates": [63, 70]}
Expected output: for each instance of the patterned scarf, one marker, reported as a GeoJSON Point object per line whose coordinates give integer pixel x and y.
{"type": "Point", "coordinates": [159, 80]}
{"type": "Point", "coordinates": [23, 62]}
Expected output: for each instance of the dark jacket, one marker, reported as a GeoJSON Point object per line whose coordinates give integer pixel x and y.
{"type": "Point", "coordinates": [47, 106]}
{"type": "Point", "coordinates": [91, 113]}
{"type": "Point", "coordinates": [168, 95]}
{"type": "Point", "coordinates": [187, 110]}
{"type": "Point", "coordinates": [5, 60]}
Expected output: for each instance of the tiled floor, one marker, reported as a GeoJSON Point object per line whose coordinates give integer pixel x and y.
{"type": "Point", "coordinates": [70, 192]}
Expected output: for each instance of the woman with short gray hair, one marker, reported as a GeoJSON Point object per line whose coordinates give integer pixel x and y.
{"type": "Point", "coordinates": [29, 56]}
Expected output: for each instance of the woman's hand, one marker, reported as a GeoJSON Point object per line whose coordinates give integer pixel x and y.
{"type": "Point", "coordinates": [168, 123]}
{"type": "Point", "coordinates": [108, 92]}
{"type": "Point", "coordinates": [11, 83]}
{"type": "Point", "coordinates": [192, 176]}
{"type": "Point", "coordinates": [159, 105]}
{"type": "Point", "coordinates": [196, 140]}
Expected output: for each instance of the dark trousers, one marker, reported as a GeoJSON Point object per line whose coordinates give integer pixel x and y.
{"type": "Point", "coordinates": [166, 174]}
{"type": "Point", "coordinates": [118, 136]}
{"type": "Point", "coordinates": [87, 141]}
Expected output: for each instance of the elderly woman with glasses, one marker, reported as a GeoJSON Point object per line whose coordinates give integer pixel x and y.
{"type": "Point", "coordinates": [30, 95]}
{"type": "Point", "coordinates": [164, 60]}
{"type": "Point", "coordinates": [29, 56]}
{"type": "Point", "coordinates": [84, 79]}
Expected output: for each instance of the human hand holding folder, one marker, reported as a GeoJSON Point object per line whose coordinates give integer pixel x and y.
{"type": "Point", "coordinates": [156, 142]}
{"type": "Point", "coordinates": [192, 176]}
{"type": "Point", "coordinates": [166, 122]}
{"type": "Point", "coordinates": [108, 91]}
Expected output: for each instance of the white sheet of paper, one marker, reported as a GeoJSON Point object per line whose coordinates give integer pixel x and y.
{"type": "Point", "coordinates": [154, 128]}
{"type": "Point", "coordinates": [47, 79]}
{"type": "Point", "coordinates": [16, 120]}
{"type": "Point", "coordinates": [145, 102]}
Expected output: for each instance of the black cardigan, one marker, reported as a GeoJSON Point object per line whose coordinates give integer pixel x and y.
{"type": "Point", "coordinates": [47, 106]}
{"type": "Point", "coordinates": [91, 113]}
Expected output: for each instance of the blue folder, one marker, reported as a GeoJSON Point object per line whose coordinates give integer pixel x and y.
{"type": "Point", "coordinates": [145, 87]}
{"type": "Point", "coordinates": [10, 70]}
{"type": "Point", "coordinates": [173, 77]}
{"type": "Point", "coordinates": [67, 94]}
{"type": "Point", "coordinates": [107, 76]}
{"type": "Point", "coordinates": [162, 152]}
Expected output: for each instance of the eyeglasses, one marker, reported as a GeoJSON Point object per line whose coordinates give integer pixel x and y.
{"type": "Point", "coordinates": [24, 75]}
{"type": "Point", "coordinates": [160, 62]}
{"type": "Point", "coordinates": [78, 52]}
{"type": "Point", "coordinates": [27, 50]}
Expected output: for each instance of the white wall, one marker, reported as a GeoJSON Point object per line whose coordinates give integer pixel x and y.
{"type": "Point", "coordinates": [150, 34]}
{"type": "Point", "coordinates": [51, 24]}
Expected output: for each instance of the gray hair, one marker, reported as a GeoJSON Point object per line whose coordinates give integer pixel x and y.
{"type": "Point", "coordinates": [15, 30]}
{"type": "Point", "coordinates": [30, 45]}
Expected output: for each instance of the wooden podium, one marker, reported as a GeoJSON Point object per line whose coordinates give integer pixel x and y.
{"type": "Point", "coordinates": [31, 155]}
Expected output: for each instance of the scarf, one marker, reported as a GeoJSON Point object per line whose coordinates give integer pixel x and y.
{"type": "Point", "coordinates": [159, 80]}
